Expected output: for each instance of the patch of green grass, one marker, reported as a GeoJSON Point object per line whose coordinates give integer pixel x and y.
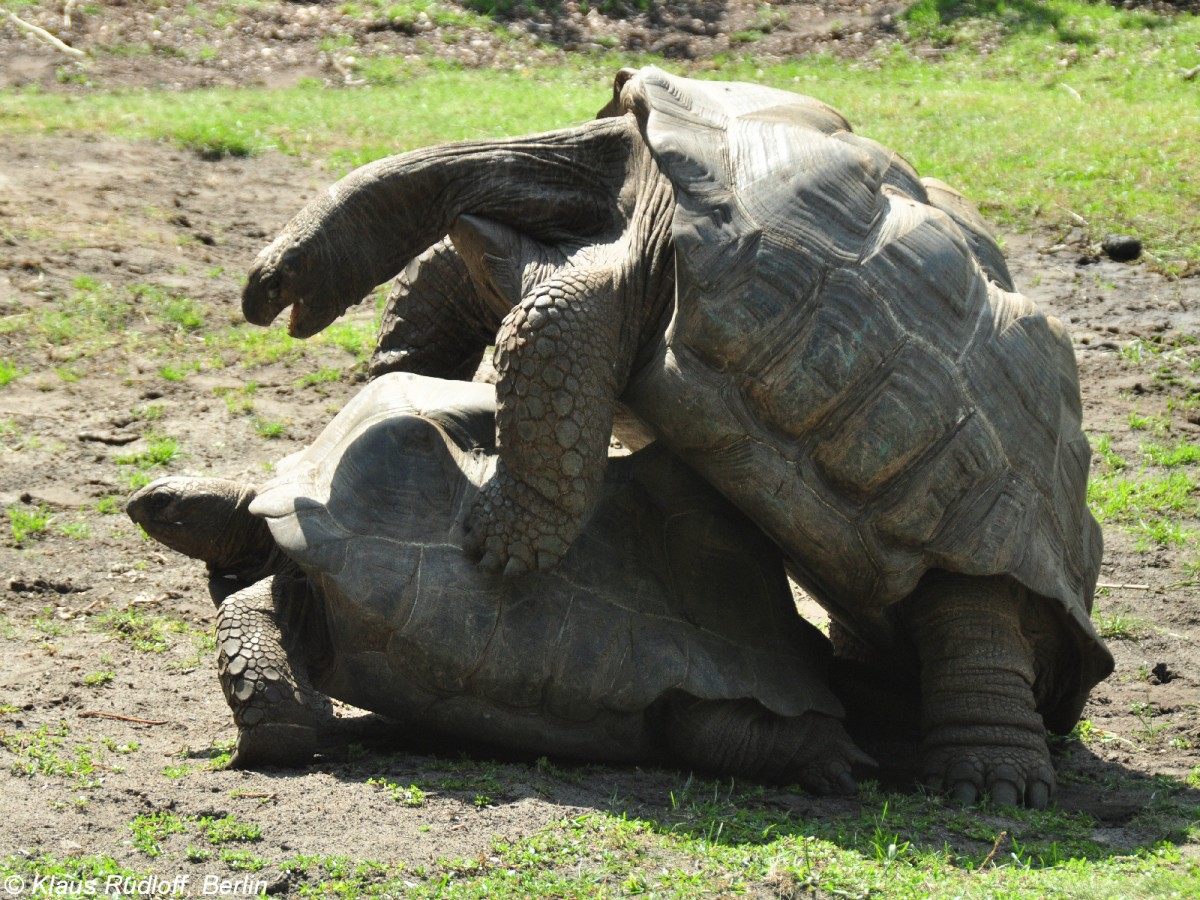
{"type": "Point", "coordinates": [44, 751]}
{"type": "Point", "coordinates": [173, 373]}
{"type": "Point", "coordinates": [1160, 533]}
{"type": "Point", "coordinates": [1102, 447]}
{"type": "Point", "coordinates": [411, 796]}
{"type": "Point", "coordinates": [356, 338]}
{"type": "Point", "coordinates": [239, 401]}
{"type": "Point", "coordinates": [147, 412]}
{"type": "Point", "coordinates": [217, 140]}
{"type": "Point", "coordinates": [98, 679]}
{"type": "Point", "coordinates": [10, 371]}
{"type": "Point", "coordinates": [1154, 424]}
{"type": "Point", "coordinates": [324, 375]}
{"type": "Point", "coordinates": [257, 346]}
{"type": "Point", "coordinates": [180, 312]}
{"type": "Point", "coordinates": [27, 522]}
{"type": "Point", "coordinates": [269, 429]}
{"type": "Point", "coordinates": [159, 452]}
{"type": "Point", "coordinates": [79, 530]}
{"type": "Point", "coordinates": [1180, 453]}
{"type": "Point", "coordinates": [242, 860]}
{"type": "Point", "coordinates": [1120, 498]}
{"type": "Point", "coordinates": [149, 830]}
{"type": "Point", "coordinates": [150, 634]}
{"type": "Point", "coordinates": [89, 319]}
{"type": "Point", "coordinates": [228, 830]}
{"type": "Point", "coordinates": [110, 506]}
{"type": "Point", "coordinates": [1117, 627]}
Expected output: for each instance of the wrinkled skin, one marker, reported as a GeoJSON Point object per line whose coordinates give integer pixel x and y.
{"type": "Point", "coordinates": [570, 244]}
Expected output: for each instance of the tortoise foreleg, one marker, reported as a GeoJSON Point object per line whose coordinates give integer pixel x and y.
{"type": "Point", "coordinates": [560, 362]}
{"type": "Point", "coordinates": [980, 724]}
{"type": "Point", "coordinates": [263, 672]}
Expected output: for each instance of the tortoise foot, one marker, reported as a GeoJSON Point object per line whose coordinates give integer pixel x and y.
{"type": "Point", "coordinates": [1010, 775]}
{"type": "Point", "coordinates": [264, 677]}
{"type": "Point", "coordinates": [274, 745]}
{"type": "Point", "coordinates": [743, 738]}
{"type": "Point", "coordinates": [983, 733]}
{"type": "Point", "coordinates": [514, 529]}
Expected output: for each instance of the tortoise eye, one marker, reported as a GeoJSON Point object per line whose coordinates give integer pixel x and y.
{"type": "Point", "coordinates": [160, 500]}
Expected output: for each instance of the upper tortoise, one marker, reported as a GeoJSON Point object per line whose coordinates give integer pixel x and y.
{"type": "Point", "coordinates": [831, 341]}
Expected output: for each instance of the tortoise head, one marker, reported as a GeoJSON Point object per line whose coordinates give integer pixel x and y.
{"type": "Point", "coordinates": [304, 268]}
{"type": "Point", "coordinates": [204, 518]}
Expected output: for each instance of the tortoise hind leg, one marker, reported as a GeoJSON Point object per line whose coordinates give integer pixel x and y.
{"type": "Point", "coordinates": [979, 718]}
{"type": "Point", "coordinates": [744, 738]}
{"type": "Point", "coordinates": [263, 674]}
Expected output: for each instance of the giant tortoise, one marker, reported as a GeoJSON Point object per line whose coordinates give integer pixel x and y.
{"type": "Point", "coordinates": [629, 649]}
{"type": "Point", "coordinates": [832, 342]}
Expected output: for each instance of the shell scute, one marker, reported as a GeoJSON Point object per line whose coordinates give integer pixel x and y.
{"type": "Point", "coordinates": [917, 508]}
{"type": "Point", "coordinates": [902, 415]}
{"type": "Point", "coordinates": [919, 261]}
{"type": "Point", "coordinates": [804, 377]}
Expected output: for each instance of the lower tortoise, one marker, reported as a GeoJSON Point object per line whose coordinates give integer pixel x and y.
{"type": "Point", "coordinates": [629, 650]}
{"type": "Point", "coordinates": [831, 341]}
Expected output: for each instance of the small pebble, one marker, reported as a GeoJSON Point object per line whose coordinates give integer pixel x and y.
{"type": "Point", "coordinates": [1121, 247]}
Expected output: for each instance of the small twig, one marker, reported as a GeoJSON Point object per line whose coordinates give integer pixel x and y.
{"type": "Point", "coordinates": [67, 7]}
{"type": "Point", "coordinates": [347, 76]}
{"type": "Point", "coordinates": [165, 595]}
{"type": "Point", "coordinates": [92, 714]}
{"type": "Point", "coordinates": [31, 415]}
{"type": "Point", "coordinates": [1079, 220]}
{"type": "Point", "coordinates": [996, 846]}
{"type": "Point", "coordinates": [258, 796]}
{"type": "Point", "coordinates": [1190, 74]}
{"type": "Point", "coordinates": [1070, 90]}
{"type": "Point", "coordinates": [44, 35]}
{"type": "Point", "coordinates": [1127, 587]}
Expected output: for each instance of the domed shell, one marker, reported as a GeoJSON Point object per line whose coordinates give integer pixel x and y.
{"type": "Point", "coordinates": [691, 597]}
{"type": "Point", "coordinates": [842, 367]}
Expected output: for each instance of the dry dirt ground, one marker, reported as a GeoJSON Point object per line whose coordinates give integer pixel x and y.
{"type": "Point", "coordinates": [120, 269]}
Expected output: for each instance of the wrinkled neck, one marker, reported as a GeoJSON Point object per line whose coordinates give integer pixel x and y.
{"type": "Point", "coordinates": [549, 186]}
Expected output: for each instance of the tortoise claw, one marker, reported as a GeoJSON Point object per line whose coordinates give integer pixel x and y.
{"type": "Point", "coordinates": [516, 566]}
{"type": "Point", "coordinates": [1037, 795]}
{"type": "Point", "coordinates": [845, 784]}
{"type": "Point", "coordinates": [490, 562]}
{"type": "Point", "coordinates": [965, 793]}
{"type": "Point", "coordinates": [1005, 793]}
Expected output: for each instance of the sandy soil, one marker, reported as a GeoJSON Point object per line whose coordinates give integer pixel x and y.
{"type": "Point", "coordinates": [82, 601]}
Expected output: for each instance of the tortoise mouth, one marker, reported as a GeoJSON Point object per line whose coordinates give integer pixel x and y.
{"type": "Point", "coordinates": [307, 319]}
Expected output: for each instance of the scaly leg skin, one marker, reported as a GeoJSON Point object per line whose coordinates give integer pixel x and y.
{"type": "Point", "coordinates": [559, 360]}
{"type": "Point", "coordinates": [981, 728]}
{"type": "Point", "coordinates": [435, 322]}
{"type": "Point", "coordinates": [743, 738]}
{"type": "Point", "coordinates": [278, 713]}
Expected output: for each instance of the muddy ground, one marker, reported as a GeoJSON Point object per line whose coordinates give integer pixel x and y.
{"type": "Point", "coordinates": [111, 709]}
